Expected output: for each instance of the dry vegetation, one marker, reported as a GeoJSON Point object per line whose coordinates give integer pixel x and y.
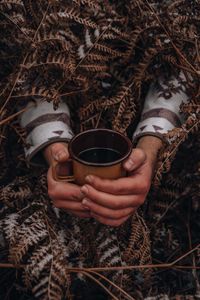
{"type": "Point", "coordinates": [99, 56]}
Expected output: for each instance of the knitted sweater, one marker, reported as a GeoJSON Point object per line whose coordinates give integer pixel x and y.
{"type": "Point", "coordinates": [100, 64]}
{"type": "Point", "coordinates": [161, 113]}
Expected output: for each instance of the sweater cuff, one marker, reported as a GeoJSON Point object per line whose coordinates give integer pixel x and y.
{"type": "Point", "coordinates": [161, 112]}
{"type": "Point", "coordinates": [44, 126]}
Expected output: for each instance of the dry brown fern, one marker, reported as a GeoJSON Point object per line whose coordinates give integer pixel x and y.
{"type": "Point", "coordinates": [100, 60]}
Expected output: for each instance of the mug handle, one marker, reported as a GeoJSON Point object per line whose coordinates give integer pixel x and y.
{"type": "Point", "coordinates": [57, 177]}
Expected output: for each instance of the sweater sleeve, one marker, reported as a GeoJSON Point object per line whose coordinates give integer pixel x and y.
{"type": "Point", "coordinates": [43, 126]}
{"type": "Point", "coordinates": [161, 112]}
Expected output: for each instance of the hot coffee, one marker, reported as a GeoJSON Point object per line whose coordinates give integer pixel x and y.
{"type": "Point", "coordinates": [99, 155]}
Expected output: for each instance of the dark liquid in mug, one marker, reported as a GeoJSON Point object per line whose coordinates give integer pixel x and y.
{"type": "Point", "coordinates": [99, 155]}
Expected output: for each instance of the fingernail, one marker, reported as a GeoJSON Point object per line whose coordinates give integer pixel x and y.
{"type": "Point", "coordinates": [129, 164]}
{"type": "Point", "coordinates": [89, 178]}
{"type": "Point", "coordinates": [60, 154]}
{"type": "Point", "coordinates": [84, 189]}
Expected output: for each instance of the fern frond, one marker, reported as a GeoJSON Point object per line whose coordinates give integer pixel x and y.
{"type": "Point", "coordinates": [176, 137]}
{"type": "Point", "coordinates": [97, 57]}
{"type": "Point", "coordinates": [52, 58]}
{"type": "Point", "coordinates": [181, 19]}
{"type": "Point", "coordinates": [37, 91]}
{"type": "Point", "coordinates": [64, 35]}
{"type": "Point", "coordinates": [138, 241]}
{"type": "Point", "coordinates": [10, 224]}
{"type": "Point", "coordinates": [53, 38]}
{"type": "Point", "coordinates": [90, 3]}
{"type": "Point", "coordinates": [69, 14]}
{"type": "Point", "coordinates": [8, 4]}
{"type": "Point", "coordinates": [29, 234]}
{"type": "Point", "coordinates": [121, 95]}
{"type": "Point", "coordinates": [104, 48]}
{"type": "Point", "coordinates": [15, 191]}
{"type": "Point", "coordinates": [175, 4]}
{"type": "Point", "coordinates": [34, 10]}
{"type": "Point", "coordinates": [109, 36]}
{"type": "Point", "coordinates": [91, 122]}
{"type": "Point", "coordinates": [120, 33]}
{"type": "Point", "coordinates": [191, 108]}
{"type": "Point", "coordinates": [94, 68]}
{"type": "Point", "coordinates": [91, 107]}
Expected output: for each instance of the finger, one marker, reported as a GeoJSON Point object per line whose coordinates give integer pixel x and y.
{"type": "Point", "coordinates": [107, 212]}
{"type": "Point", "coordinates": [122, 186]}
{"type": "Point", "coordinates": [135, 160]}
{"type": "Point", "coordinates": [69, 205]}
{"type": "Point", "coordinates": [79, 214]}
{"type": "Point", "coordinates": [110, 222]}
{"type": "Point", "coordinates": [59, 152]}
{"type": "Point", "coordinates": [63, 190]}
{"type": "Point", "coordinates": [111, 201]}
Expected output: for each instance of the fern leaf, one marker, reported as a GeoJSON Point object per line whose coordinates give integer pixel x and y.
{"type": "Point", "coordinates": [94, 68]}
{"type": "Point", "coordinates": [122, 94]}
{"type": "Point", "coordinates": [104, 48]}
{"type": "Point", "coordinates": [31, 232]}
{"type": "Point", "coordinates": [36, 91]}
{"type": "Point", "coordinates": [70, 14]}
{"type": "Point", "coordinates": [91, 3]}
{"type": "Point", "coordinates": [10, 225]}
{"type": "Point", "coordinates": [98, 57]}
{"type": "Point", "coordinates": [8, 4]}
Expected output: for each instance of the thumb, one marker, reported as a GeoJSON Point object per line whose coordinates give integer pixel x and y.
{"type": "Point", "coordinates": [135, 160]}
{"type": "Point", "coordinates": [59, 152]}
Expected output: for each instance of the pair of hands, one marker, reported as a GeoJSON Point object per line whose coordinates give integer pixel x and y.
{"type": "Point", "coordinates": [110, 202]}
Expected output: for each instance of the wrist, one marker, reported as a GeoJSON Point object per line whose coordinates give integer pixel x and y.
{"type": "Point", "coordinates": [151, 145]}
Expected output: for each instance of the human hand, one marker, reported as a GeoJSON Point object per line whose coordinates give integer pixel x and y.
{"type": "Point", "coordinates": [64, 195]}
{"type": "Point", "coordinates": [112, 202]}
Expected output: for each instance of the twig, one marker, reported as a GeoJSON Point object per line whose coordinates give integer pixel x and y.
{"type": "Point", "coordinates": [2, 122]}
{"type": "Point", "coordinates": [23, 63]}
{"type": "Point", "coordinates": [104, 269]}
{"type": "Point", "coordinates": [113, 284]}
{"type": "Point", "coordinates": [18, 27]}
{"type": "Point", "coordinates": [167, 33]}
{"type": "Point", "coordinates": [89, 50]}
{"type": "Point", "coordinates": [175, 148]}
{"type": "Point", "coordinates": [12, 266]}
{"type": "Point", "coordinates": [194, 271]}
{"type": "Point", "coordinates": [100, 284]}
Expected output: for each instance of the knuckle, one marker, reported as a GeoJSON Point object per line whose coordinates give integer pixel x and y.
{"type": "Point", "coordinates": [77, 196]}
{"type": "Point", "coordinates": [141, 156]}
{"type": "Point", "coordinates": [56, 147]}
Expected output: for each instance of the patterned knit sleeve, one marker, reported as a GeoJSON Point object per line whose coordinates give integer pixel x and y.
{"type": "Point", "coordinates": [161, 112]}
{"type": "Point", "coordinates": [43, 126]}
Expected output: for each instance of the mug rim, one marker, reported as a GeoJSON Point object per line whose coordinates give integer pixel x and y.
{"type": "Point", "coordinates": [115, 162]}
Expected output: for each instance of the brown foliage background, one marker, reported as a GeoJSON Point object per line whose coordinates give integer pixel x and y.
{"type": "Point", "coordinates": [100, 57]}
